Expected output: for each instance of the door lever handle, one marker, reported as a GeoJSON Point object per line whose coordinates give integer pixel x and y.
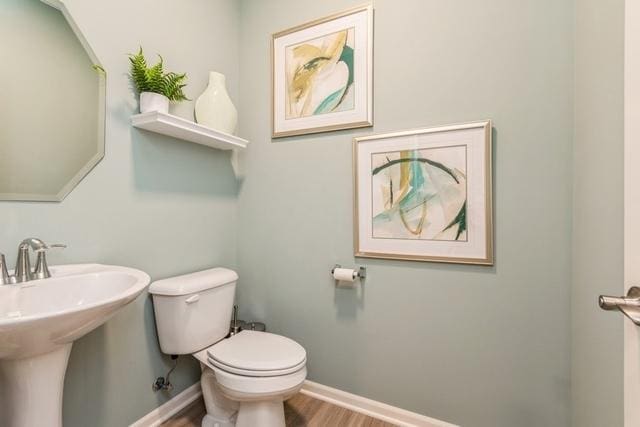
{"type": "Point", "coordinates": [629, 305]}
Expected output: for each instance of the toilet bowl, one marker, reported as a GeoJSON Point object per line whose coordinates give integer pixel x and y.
{"type": "Point", "coordinates": [245, 377]}
{"type": "Point", "coordinates": [259, 370]}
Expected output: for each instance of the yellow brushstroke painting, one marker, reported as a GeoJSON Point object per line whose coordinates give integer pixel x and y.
{"type": "Point", "coordinates": [320, 75]}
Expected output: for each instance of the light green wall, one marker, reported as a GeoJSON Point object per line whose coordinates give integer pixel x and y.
{"type": "Point", "coordinates": [161, 205]}
{"type": "Point", "coordinates": [597, 336]}
{"type": "Point", "coordinates": [471, 345]}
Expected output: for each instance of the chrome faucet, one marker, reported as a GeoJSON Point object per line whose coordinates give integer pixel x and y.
{"type": "Point", "coordinates": [23, 272]}
{"type": "Point", "coordinates": [4, 273]}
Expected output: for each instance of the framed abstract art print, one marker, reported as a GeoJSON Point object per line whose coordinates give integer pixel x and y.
{"type": "Point", "coordinates": [425, 195]}
{"type": "Point", "coordinates": [322, 74]}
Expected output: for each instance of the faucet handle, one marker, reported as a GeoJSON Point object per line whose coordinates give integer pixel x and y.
{"type": "Point", "coordinates": [42, 269]}
{"type": "Point", "coordinates": [47, 246]}
{"type": "Point", "coordinates": [4, 273]}
{"type": "Point", "coordinates": [53, 246]}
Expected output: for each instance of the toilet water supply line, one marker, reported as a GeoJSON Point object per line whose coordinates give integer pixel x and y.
{"type": "Point", "coordinates": [163, 383]}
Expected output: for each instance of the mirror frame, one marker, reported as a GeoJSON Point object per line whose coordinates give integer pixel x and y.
{"type": "Point", "coordinates": [101, 111]}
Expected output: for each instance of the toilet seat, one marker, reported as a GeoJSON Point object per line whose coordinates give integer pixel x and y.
{"type": "Point", "coordinates": [251, 388]}
{"type": "Point", "coordinates": [254, 387]}
{"type": "Point", "coordinates": [251, 373]}
{"type": "Point", "coordinates": [257, 354]}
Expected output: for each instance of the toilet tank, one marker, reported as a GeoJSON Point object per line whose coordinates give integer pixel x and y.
{"type": "Point", "coordinates": [193, 311]}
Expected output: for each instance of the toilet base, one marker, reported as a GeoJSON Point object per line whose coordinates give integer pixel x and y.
{"type": "Point", "coordinates": [269, 413]}
{"type": "Point", "coordinates": [221, 412]}
{"type": "Point", "coordinates": [209, 421]}
{"type": "Point", "coordinates": [236, 401]}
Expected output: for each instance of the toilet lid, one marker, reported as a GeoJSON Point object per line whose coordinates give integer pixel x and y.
{"type": "Point", "coordinates": [257, 351]}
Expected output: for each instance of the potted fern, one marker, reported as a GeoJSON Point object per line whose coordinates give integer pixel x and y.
{"type": "Point", "coordinates": [156, 87]}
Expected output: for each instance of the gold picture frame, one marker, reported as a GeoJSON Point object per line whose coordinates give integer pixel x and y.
{"type": "Point", "coordinates": [375, 217]}
{"type": "Point", "coordinates": [293, 65]}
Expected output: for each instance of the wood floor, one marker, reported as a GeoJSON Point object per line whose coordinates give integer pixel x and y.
{"type": "Point", "coordinates": [300, 411]}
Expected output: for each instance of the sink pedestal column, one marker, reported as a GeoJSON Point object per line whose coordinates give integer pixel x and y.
{"type": "Point", "coordinates": [31, 389]}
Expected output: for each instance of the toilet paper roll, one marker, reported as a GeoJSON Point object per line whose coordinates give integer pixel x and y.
{"type": "Point", "coordinates": [344, 274]}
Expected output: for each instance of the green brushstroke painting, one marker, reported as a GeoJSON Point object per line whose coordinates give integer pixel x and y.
{"type": "Point", "coordinates": [420, 194]}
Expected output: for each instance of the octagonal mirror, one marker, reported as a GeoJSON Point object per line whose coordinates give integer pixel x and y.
{"type": "Point", "coordinates": [52, 112]}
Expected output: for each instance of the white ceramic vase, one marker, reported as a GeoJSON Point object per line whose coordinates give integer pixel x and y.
{"type": "Point", "coordinates": [214, 108]}
{"type": "Point", "coordinates": [150, 101]}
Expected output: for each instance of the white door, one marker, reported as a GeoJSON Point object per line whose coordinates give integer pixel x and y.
{"type": "Point", "coordinates": [632, 207]}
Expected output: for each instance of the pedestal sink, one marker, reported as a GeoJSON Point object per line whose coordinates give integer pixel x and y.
{"type": "Point", "coordinates": [39, 320]}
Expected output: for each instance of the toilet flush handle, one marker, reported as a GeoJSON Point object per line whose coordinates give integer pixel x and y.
{"type": "Point", "coordinates": [192, 299]}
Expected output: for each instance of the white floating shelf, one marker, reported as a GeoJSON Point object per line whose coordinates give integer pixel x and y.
{"type": "Point", "coordinates": [177, 127]}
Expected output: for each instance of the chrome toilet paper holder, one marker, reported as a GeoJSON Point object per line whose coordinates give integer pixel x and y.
{"type": "Point", "coordinates": [359, 273]}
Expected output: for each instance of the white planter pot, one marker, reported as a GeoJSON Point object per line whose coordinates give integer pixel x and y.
{"type": "Point", "coordinates": [214, 108]}
{"type": "Point", "coordinates": [150, 101]}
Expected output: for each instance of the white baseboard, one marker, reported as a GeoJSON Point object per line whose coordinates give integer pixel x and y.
{"type": "Point", "coordinates": [353, 402]}
{"type": "Point", "coordinates": [170, 408]}
{"type": "Point", "coordinates": [372, 408]}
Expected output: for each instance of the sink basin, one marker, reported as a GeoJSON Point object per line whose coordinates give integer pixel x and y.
{"type": "Point", "coordinates": [39, 316]}
{"type": "Point", "coordinates": [39, 320]}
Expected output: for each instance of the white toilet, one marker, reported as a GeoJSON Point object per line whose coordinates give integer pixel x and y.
{"type": "Point", "coordinates": [246, 377]}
